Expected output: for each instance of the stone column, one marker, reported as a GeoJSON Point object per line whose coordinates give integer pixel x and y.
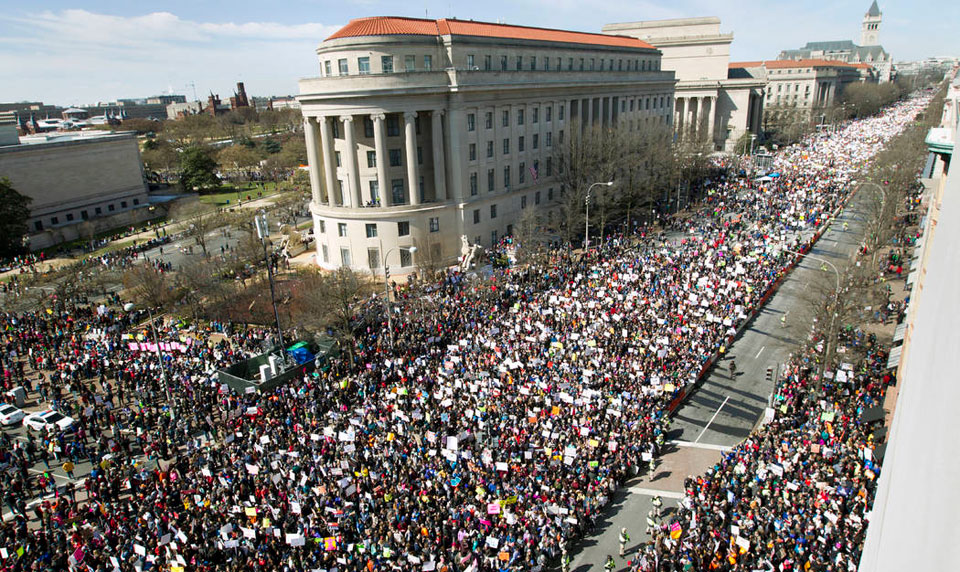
{"type": "Point", "coordinates": [351, 161]}
{"type": "Point", "coordinates": [313, 159]}
{"type": "Point", "coordinates": [379, 142]}
{"type": "Point", "coordinates": [678, 104]}
{"type": "Point", "coordinates": [758, 114]}
{"type": "Point", "coordinates": [329, 164]}
{"type": "Point", "coordinates": [413, 170]}
{"type": "Point", "coordinates": [456, 120]}
{"type": "Point", "coordinates": [711, 118]}
{"type": "Point", "coordinates": [608, 119]}
{"type": "Point", "coordinates": [588, 116]}
{"type": "Point", "coordinates": [439, 163]}
{"type": "Point", "coordinates": [693, 111]}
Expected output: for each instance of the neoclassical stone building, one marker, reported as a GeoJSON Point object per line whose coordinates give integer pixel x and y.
{"type": "Point", "coordinates": [718, 107]}
{"type": "Point", "coordinates": [420, 132]}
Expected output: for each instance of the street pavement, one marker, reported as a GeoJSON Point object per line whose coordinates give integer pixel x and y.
{"type": "Point", "coordinates": [725, 409]}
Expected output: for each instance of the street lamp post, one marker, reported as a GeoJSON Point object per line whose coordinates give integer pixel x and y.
{"type": "Point", "coordinates": [833, 314]}
{"type": "Point", "coordinates": [129, 307]}
{"type": "Point", "coordinates": [586, 234]}
{"type": "Point", "coordinates": [386, 287]}
{"type": "Point", "coordinates": [263, 230]}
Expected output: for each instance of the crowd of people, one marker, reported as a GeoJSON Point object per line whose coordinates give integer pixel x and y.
{"type": "Point", "coordinates": [487, 433]}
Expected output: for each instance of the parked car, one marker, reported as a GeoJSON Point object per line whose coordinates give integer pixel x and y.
{"type": "Point", "coordinates": [10, 415]}
{"type": "Point", "coordinates": [41, 420]}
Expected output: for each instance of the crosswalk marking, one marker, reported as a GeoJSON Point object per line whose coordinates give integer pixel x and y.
{"type": "Point", "coordinates": [721, 448]}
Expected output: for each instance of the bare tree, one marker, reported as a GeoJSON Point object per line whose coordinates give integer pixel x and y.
{"type": "Point", "coordinates": [148, 286]}
{"type": "Point", "coordinates": [199, 220]}
{"type": "Point", "coordinates": [327, 300]}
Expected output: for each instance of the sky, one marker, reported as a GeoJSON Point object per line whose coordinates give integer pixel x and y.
{"type": "Point", "coordinates": [72, 53]}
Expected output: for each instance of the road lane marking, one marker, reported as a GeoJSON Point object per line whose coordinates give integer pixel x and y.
{"type": "Point", "coordinates": [759, 352]}
{"type": "Point", "coordinates": [655, 493]}
{"type": "Point", "coordinates": [721, 448]}
{"type": "Point", "coordinates": [717, 412]}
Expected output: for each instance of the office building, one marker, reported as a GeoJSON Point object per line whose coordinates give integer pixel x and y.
{"type": "Point", "coordinates": [436, 134]}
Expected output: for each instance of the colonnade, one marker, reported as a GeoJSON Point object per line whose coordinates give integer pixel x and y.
{"type": "Point", "coordinates": [321, 149]}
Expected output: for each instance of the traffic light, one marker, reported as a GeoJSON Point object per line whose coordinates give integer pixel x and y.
{"type": "Point", "coordinates": [769, 375]}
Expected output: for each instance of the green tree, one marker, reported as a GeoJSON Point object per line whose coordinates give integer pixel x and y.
{"type": "Point", "coordinates": [198, 169]}
{"type": "Point", "coordinates": [14, 212]}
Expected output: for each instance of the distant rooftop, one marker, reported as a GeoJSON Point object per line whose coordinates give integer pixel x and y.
{"type": "Point", "coordinates": [72, 136]}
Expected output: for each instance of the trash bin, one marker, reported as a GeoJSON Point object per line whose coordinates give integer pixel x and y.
{"type": "Point", "coordinates": [19, 395]}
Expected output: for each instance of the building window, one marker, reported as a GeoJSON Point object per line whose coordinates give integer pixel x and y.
{"type": "Point", "coordinates": [549, 141]}
{"type": "Point", "coordinates": [570, 64]}
{"type": "Point", "coordinates": [506, 177]}
{"type": "Point", "coordinates": [342, 64]}
{"type": "Point", "coordinates": [536, 115]}
{"type": "Point", "coordinates": [536, 198]}
{"type": "Point", "coordinates": [546, 63]}
{"type": "Point", "coordinates": [371, 159]}
{"type": "Point", "coordinates": [493, 237]}
{"type": "Point", "coordinates": [123, 205]}
{"type": "Point", "coordinates": [533, 63]}
{"type": "Point", "coordinates": [519, 63]}
{"type": "Point", "coordinates": [506, 146]}
{"type": "Point", "coordinates": [336, 155]}
{"type": "Point", "coordinates": [323, 227]}
{"type": "Point", "coordinates": [488, 63]}
{"type": "Point", "coordinates": [519, 117]}
{"type": "Point", "coordinates": [523, 202]}
{"type": "Point", "coordinates": [548, 114]}
{"type": "Point", "coordinates": [373, 258]}
{"type": "Point", "coordinates": [521, 173]}
{"type": "Point", "coordinates": [550, 190]}
{"type": "Point", "coordinates": [560, 109]}
{"type": "Point", "coordinates": [421, 188]}
{"type": "Point", "coordinates": [335, 125]}
{"type": "Point", "coordinates": [325, 252]}
{"type": "Point", "coordinates": [367, 127]}
{"type": "Point", "coordinates": [98, 210]}
{"type": "Point", "coordinates": [476, 216]}
{"type": "Point", "coordinates": [493, 211]}
{"type": "Point", "coordinates": [345, 257]}
{"type": "Point", "coordinates": [403, 228]}
{"type": "Point", "coordinates": [375, 193]}
{"type": "Point", "coordinates": [536, 169]}
{"type": "Point", "coordinates": [342, 229]}
{"type": "Point", "coordinates": [503, 63]}
{"type": "Point", "coordinates": [372, 230]}
{"type": "Point", "coordinates": [111, 208]}
{"type": "Point", "coordinates": [473, 185]}
{"type": "Point", "coordinates": [396, 189]}
{"type": "Point", "coordinates": [490, 180]}
{"type": "Point", "coordinates": [396, 158]}
{"type": "Point", "coordinates": [581, 63]}
{"type": "Point", "coordinates": [549, 166]}
{"type": "Point", "coordinates": [363, 65]}
{"type": "Point", "coordinates": [536, 140]}
{"type": "Point", "coordinates": [488, 120]}
{"type": "Point", "coordinates": [135, 201]}
{"type": "Point", "coordinates": [560, 137]}
{"type": "Point", "coordinates": [326, 69]}
{"type": "Point", "coordinates": [520, 144]}
{"type": "Point", "coordinates": [473, 151]}
{"type": "Point", "coordinates": [601, 64]}
{"type": "Point", "coordinates": [85, 216]}
{"type": "Point", "coordinates": [470, 62]}
{"type": "Point", "coordinates": [489, 149]}
{"type": "Point", "coordinates": [471, 122]}
{"type": "Point", "coordinates": [419, 155]}
{"type": "Point", "coordinates": [505, 118]}
{"type": "Point", "coordinates": [386, 63]}
{"type": "Point", "coordinates": [409, 63]}
{"type": "Point", "coordinates": [434, 224]}
{"type": "Point", "coordinates": [427, 62]}
{"type": "Point", "coordinates": [406, 258]}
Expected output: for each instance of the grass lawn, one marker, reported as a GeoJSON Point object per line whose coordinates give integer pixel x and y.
{"type": "Point", "coordinates": [228, 196]}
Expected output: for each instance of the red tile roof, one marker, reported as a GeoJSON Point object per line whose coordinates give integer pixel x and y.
{"type": "Point", "coordinates": [783, 64]}
{"type": "Point", "coordinates": [393, 26]}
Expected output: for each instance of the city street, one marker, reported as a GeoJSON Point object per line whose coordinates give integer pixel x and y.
{"type": "Point", "coordinates": [724, 410]}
